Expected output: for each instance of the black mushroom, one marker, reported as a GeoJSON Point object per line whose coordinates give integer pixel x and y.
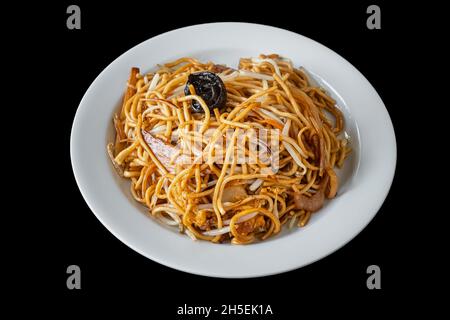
{"type": "Point", "coordinates": [209, 87]}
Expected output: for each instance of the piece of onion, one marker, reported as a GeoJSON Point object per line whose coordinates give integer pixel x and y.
{"type": "Point", "coordinates": [217, 232]}
{"type": "Point", "coordinates": [242, 219]}
{"type": "Point", "coordinates": [175, 136]}
{"type": "Point", "coordinates": [177, 92]}
{"type": "Point", "coordinates": [255, 185]}
{"type": "Point", "coordinates": [211, 183]}
{"type": "Point", "coordinates": [166, 187]}
{"type": "Point", "coordinates": [272, 62]}
{"type": "Point", "coordinates": [150, 109]}
{"type": "Point", "coordinates": [292, 222]}
{"type": "Point", "coordinates": [252, 114]}
{"type": "Point", "coordinates": [130, 134]}
{"type": "Point", "coordinates": [172, 211]}
{"type": "Point", "coordinates": [158, 129]}
{"type": "Point", "coordinates": [205, 206]}
{"type": "Point", "coordinates": [290, 149]}
{"type": "Point", "coordinates": [286, 128]}
{"type": "Point", "coordinates": [190, 234]}
{"type": "Point", "coordinates": [271, 115]}
{"type": "Point", "coordinates": [153, 83]}
{"type": "Point", "coordinates": [294, 144]}
{"type": "Point", "coordinates": [229, 77]}
{"type": "Point", "coordinates": [169, 222]}
{"type": "Point", "coordinates": [294, 156]}
{"type": "Point", "coordinates": [255, 75]}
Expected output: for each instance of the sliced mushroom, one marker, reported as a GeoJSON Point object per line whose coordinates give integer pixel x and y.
{"type": "Point", "coordinates": [165, 152]}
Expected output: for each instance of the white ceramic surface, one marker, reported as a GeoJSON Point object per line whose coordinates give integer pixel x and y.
{"type": "Point", "coordinates": [366, 178]}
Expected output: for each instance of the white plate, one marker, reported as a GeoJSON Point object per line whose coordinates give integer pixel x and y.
{"type": "Point", "coordinates": [365, 180]}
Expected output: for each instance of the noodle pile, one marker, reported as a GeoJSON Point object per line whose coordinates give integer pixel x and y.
{"type": "Point", "coordinates": [229, 201]}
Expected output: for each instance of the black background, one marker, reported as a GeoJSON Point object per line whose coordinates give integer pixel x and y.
{"type": "Point", "coordinates": [69, 60]}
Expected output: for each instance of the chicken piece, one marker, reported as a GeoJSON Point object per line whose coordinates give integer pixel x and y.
{"type": "Point", "coordinates": [315, 202]}
{"type": "Point", "coordinates": [234, 193]}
